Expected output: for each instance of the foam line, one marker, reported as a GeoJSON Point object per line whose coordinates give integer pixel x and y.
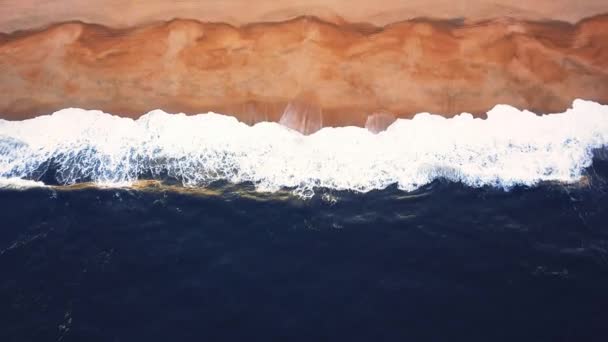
{"type": "Point", "coordinates": [510, 147]}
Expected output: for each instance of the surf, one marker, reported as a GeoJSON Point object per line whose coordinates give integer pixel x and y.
{"type": "Point", "coordinates": [510, 147]}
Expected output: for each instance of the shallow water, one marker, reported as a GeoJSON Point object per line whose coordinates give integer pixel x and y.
{"type": "Point", "coordinates": [445, 262]}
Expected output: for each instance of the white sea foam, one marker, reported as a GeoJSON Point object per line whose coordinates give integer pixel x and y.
{"type": "Point", "coordinates": [508, 148]}
{"type": "Point", "coordinates": [19, 184]}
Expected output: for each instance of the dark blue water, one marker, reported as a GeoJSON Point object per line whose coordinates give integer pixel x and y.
{"type": "Point", "coordinates": [445, 263]}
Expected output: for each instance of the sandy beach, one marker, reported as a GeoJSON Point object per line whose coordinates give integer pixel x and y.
{"type": "Point", "coordinates": [305, 64]}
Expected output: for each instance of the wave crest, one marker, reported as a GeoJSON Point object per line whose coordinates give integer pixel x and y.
{"type": "Point", "coordinates": [510, 147]}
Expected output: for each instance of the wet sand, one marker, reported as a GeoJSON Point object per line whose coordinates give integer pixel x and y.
{"type": "Point", "coordinates": [306, 64]}
{"type": "Point", "coordinates": [305, 73]}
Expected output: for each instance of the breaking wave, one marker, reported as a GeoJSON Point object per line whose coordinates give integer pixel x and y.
{"type": "Point", "coordinates": [510, 147]}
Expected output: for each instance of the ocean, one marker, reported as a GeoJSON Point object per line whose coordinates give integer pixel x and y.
{"type": "Point", "coordinates": [124, 233]}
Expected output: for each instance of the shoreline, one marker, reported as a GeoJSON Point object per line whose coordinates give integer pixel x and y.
{"type": "Point", "coordinates": [305, 71]}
